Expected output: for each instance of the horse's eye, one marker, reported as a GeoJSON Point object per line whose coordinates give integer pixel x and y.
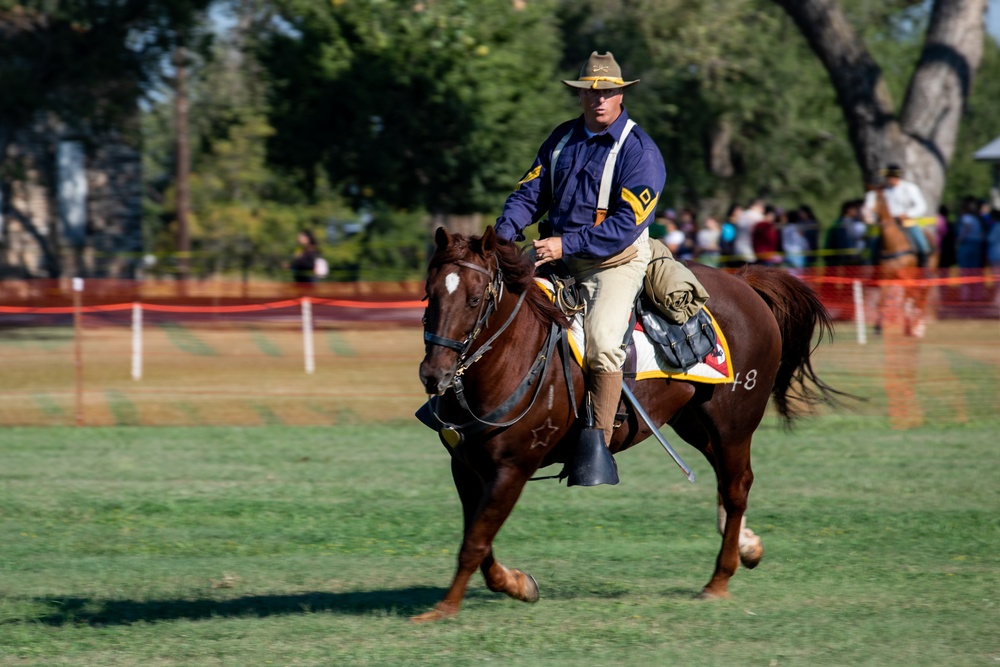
{"type": "Point", "coordinates": [475, 301]}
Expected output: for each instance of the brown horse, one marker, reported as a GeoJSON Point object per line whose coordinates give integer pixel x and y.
{"type": "Point", "coordinates": [899, 301]}
{"type": "Point", "coordinates": [488, 324]}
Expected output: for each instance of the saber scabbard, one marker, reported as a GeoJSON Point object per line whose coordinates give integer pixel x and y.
{"type": "Point", "coordinates": [656, 432]}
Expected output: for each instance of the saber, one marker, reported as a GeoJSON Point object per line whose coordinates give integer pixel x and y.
{"type": "Point", "coordinates": [656, 432]}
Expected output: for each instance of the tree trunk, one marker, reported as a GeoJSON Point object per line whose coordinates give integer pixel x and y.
{"type": "Point", "coordinates": [938, 91]}
{"type": "Point", "coordinates": [50, 258]}
{"type": "Point", "coordinates": [922, 137]}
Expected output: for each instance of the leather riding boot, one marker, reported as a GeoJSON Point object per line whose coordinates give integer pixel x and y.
{"type": "Point", "coordinates": [605, 393]}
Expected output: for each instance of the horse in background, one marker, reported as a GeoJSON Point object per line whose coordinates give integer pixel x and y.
{"type": "Point", "coordinates": [493, 364]}
{"type": "Point", "coordinates": [904, 299]}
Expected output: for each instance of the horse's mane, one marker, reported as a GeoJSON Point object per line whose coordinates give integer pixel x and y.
{"type": "Point", "coordinates": [517, 269]}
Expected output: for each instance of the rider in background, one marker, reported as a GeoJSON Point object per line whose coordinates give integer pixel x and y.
{"type": "Point", "coordinates": [906, 203]}
{"type": "Point", "coordinates": [607, 251]}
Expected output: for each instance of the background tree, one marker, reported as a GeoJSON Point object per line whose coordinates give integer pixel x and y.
{"type": "Point", "coordinates": [85, 64]}
{"type": "Point", "coordinates": [980, 125]}
{"type": "Point", "coordinates": [921, 136]}
{"type": "Point", "coordinates": [435, 106]}
{"type": "Point", "coordinates": [376, 120]}
{"type": "Point", "coordinates": [244, 213]}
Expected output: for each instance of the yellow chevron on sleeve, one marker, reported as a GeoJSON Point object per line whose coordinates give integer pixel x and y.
{"type": "Point", "coordinates": [530, 176]}
{"type": "Point", "coordinates": [642, 205]}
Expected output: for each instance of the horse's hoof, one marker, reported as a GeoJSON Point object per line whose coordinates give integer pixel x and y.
{"type": "Point", "coordinates": [525, 587]}
{"type": "Point", "coordinates": [436, 614]}
{"type": "Point", "coordinates": [712, 595]}
{"type": "Point", "coordinates": [751, 552]}
{"type": "Point", "coordinates": [530, 588]}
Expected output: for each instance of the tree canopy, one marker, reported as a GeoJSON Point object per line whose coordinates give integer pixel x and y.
{"type": "Point", "coordinates": [386, 114]}
{"type": "Point", "coordinates": [88, 63]}
{"type": "Point", "coordinates": [435, 105]}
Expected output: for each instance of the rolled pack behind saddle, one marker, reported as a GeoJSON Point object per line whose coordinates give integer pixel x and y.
{"type": "Point", "coordinates": [671, 310]}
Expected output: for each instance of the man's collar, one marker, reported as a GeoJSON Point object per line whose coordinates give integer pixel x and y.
{"type": "Point", "coordinates": [614, 131]}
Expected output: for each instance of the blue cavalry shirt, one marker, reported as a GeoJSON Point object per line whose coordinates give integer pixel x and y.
{"type": "Point", "coordinates": [572, 203]}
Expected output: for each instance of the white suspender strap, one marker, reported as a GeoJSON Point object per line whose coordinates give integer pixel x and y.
{"type": "Point", "coordinates": [555, 158]}
{"type": "Point", "coordinates": [604, 196]}
{"type": "Point", "coordinates": [609, 169]}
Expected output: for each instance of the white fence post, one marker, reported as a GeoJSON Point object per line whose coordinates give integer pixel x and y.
{"type": "Point", "coordinates": [78, 345]}
{"type": "Point", "coordinates": [136, 341]}
{"type": "Point", "coordinates": [307, 335]}
{"type": "Point", "coordinates": [859, 312]}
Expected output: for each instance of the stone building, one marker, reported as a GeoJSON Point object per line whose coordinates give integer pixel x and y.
{"type": "Point", "coordinates": [73, 204]}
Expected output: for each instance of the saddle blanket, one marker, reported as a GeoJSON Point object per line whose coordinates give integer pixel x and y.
{"type": "Point", "coordinates": [713, 369]}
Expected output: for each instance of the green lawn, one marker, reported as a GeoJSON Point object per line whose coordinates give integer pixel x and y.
{"type": "Point", "coordinates": [312, 546]}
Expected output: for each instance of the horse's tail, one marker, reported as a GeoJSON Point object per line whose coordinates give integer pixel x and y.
{"type": "Point", "coordinates": [800, 315]}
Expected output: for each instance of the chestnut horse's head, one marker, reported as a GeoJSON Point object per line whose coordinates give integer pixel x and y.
{"type": "Point", "coordinates": [464, 284]}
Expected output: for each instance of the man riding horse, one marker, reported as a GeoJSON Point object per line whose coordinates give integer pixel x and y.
{"type": "Point", "coordinates": [905, 203]}
{"type": "Point", "coordinates": [599, 177]}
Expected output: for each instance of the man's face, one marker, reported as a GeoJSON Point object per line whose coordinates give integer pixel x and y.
{"type": "Point", "coordinates": [600, 107]}
{"type": "Point", "coordinates": [893, 181]}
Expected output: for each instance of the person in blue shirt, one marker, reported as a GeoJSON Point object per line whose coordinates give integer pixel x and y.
{"type": "Point", "coordinates": [602, 240]}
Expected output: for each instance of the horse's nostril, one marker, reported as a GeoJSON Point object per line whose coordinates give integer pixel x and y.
{"type": "Point", "coordinates": [436, 380]}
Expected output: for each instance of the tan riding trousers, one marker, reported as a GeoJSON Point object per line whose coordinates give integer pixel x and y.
{"type": "Point", "coordinates": [609, 295]}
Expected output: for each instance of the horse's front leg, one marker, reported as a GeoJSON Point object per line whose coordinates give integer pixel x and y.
{"type": "Point", "coordinates": [486, 505]}
{"type": "Point", "coordinates": [499, 579]}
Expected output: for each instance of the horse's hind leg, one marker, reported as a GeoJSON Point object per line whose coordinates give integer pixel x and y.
{"type": "Point", "coordinates": [732, 467]}
{"type": "Point", "coordinates": [484, 511]}
{"type": "Point", "coordinates": [751, 547]}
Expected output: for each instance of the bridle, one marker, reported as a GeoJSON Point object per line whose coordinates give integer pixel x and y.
{"type": "Point", "coordinates": [492, 294]}
{"type": "Point", "coordinates": [453, 434]}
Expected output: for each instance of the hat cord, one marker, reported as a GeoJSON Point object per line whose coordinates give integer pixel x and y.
{"type": "Point", "coordinates": [596, 79]}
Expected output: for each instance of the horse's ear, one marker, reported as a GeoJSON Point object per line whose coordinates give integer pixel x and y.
{"type": "Point", "coordinates": [489, 241]}
{"type": "Point", "coordinates": [442, 238]}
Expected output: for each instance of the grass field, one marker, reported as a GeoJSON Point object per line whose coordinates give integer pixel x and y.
{"type": "Point", "coordinates": [313, 545]}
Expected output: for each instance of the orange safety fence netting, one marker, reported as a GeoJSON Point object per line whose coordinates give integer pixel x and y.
{"type": "Point", "coordinates": [235, 353]}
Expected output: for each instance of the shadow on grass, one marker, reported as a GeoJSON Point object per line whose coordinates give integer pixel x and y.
{"type": "Point", "coordinates": [87, 611]}
{"type": "Point", "coordinates": [403, 602]}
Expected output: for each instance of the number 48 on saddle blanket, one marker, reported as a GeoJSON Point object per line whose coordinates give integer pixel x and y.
{"type": "Point", "coordinates": [674, 334]}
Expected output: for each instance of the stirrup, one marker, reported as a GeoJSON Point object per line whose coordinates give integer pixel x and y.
{"type": "Point", "coordinates": [592, 461]}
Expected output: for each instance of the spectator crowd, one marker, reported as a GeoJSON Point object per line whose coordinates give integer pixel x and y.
{"type": "Point", "coordinates": [760, 233]}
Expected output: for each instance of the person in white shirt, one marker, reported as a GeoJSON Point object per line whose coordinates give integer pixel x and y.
{"type": "Point", "coordinates": [905, 202]}
{"type": "Point", "coordinates": [748, 219]}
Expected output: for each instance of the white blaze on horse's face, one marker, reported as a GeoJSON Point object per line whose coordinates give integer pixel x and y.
{"type": "Point", "coordinates": [451, 282]}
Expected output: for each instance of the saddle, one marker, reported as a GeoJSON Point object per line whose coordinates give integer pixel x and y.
{"type": "Point", "coordinates": [682, 344]}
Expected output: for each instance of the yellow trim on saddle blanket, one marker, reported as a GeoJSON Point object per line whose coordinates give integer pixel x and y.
{"type": "Point", "coordinates": [691, 374]}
